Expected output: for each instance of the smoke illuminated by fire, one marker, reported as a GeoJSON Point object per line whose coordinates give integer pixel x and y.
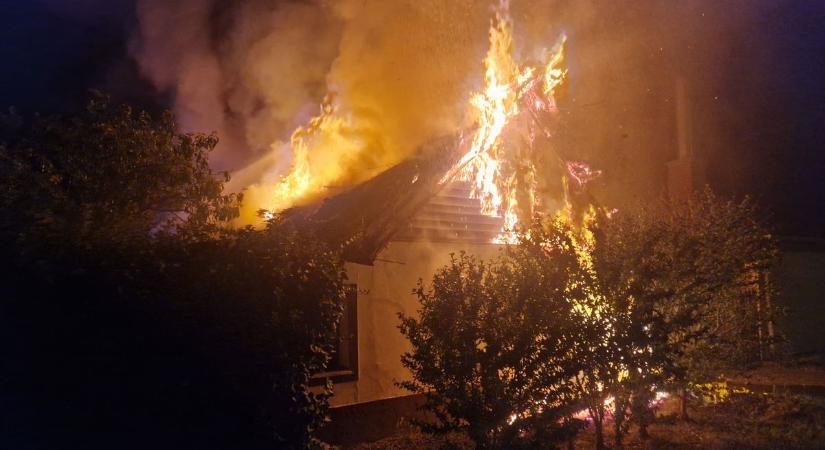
{"type": "Point", "coordinates": [307, 175]}
{"type": "Point", "coordinates": [502, 176]}
{"type": "Point", "coordinates": [393, 76]}
{"type": "Point", "coordinates": [395, 73]}
{"type": "Point", "coordinates": [403, 74]}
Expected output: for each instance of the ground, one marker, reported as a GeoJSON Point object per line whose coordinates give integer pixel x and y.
{"type": "Point", "coordinates": [778, 419]}
{"type": "Point", "coordinates": [744, 421]}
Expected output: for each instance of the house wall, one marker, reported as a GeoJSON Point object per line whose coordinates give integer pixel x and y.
{"type": "Point", "coordinates": [385, 289]}
{"type": "Point", "coordinates": [800, 280]}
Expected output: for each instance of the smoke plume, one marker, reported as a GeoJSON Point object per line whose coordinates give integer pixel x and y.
{"type": "Point", "coordinates": [253, 71]}
{"type": "Point", "coordinates": [245, 70]}
{"type": "Point", "coordinates": [392, 75]}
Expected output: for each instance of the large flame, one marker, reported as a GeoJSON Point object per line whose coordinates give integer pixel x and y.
{"type": "Point", "coordinates": [316, 172]}
{"type": "Point", "coordinates": [503, 174]}
{"type": "Point", "coordinates": [303, 177]}
{"type": "Point", "coordinates": [504, 179]}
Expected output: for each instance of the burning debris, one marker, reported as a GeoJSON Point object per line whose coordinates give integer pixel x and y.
{"type": "Point", "coordinates": [581, 173]}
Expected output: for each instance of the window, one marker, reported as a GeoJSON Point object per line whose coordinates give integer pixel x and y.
{"type": "Point", "coordinates": [343, 365]}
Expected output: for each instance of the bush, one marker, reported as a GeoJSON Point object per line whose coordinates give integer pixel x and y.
{"type": "Point", "coordinates": [667, 274]}
{"type": "Point", "coordinates": [648, 299]}
{"type": "Point", "coordinates": [133, 315]}
{"type": "Point", "coordinates": [106, 176]}
{"type": "Point", "coordinates": [496, 345]}
{"type": "Point", "coordinates": [264, 307]}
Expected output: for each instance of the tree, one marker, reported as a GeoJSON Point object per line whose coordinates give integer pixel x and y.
{"type": "Point", "coordinates": [661, 297]}
{"type": "Point", "coordinates": [107, 176]}
{"type": "Point", "coordinates": [263, 305]}
{"type": "Point", "coordinates": [497, 345]}
{"type": "Point", "coordinates": [737, 254]}
{"type": "Point", "coordinates": [665, 273]}
{"type": "Point", "coordinates": [124, 284]}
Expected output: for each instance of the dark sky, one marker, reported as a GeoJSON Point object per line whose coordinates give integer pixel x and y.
{"type": "Point", "coordinates": [760, 122]}
{"type": "Point", "coordinates": [53, 51]}
{"type": "Point", "coordinates": [757, 69]}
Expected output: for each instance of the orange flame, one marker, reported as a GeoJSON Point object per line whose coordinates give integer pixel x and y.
{"type": "Point", "coordinates": [312, 172]}
{"type": "Point", "coordinates": [509, 89]}
{"type": "Point", "coordinates": [487, 165]}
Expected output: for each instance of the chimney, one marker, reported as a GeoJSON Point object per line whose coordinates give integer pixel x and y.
{"type": "Point", "coordinates": [683, 174]}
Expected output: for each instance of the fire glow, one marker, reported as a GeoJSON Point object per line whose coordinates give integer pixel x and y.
{"type": "Point", "coordinates": [516, 99]}
{"type": "Point", "coordinates": [488, 165]}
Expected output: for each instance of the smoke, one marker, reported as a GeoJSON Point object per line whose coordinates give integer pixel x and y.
{"type": "Point", "coordinates": [252, 71]}
{"type": "Point", "coordinates": [396, 73]}
{"type": "Point", "coordinates": [399, 73]}
{"type": "Point", "coordinates": [403, 68]}
{"type": "Point", "coordinates": [245, 70]}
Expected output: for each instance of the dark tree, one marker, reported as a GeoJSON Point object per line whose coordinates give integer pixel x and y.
{"type": "Point", "coordinates": [107, 176]}
{"type": "Point", "coordinates": [666, 272]}
{"type": "Point", "coordinates": [133, 315]}
{"type": "Point", "coordinates": [262, 306]}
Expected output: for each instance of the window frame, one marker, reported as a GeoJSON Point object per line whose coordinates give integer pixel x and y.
{"type": "Point", "coordinates": [349, 372]}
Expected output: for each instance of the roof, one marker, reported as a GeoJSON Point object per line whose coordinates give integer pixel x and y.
{"type": "Point", "coordinates": [413, 200]}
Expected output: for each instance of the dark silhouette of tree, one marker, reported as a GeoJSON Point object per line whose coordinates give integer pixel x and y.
{"type": "Point", "coordinates": [108, 175]}
{"type": "Point", "coordinates": [133, 313]}
{"type": "Point", "coordinates": [665, 273]}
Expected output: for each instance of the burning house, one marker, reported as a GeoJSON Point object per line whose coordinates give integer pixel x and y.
{"type": "Point", "coordinates": [401, 133]}
{"type": "Point", "coordinates": [400, 214]}
{"type": "Point", "coordinates": [464, 192]}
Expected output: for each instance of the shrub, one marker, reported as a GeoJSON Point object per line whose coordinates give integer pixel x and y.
{"type": "Point", "coordinates": [667, 273]}
{"type": "Point", "coordinates": [650, 298]}
{"type": "Point", "coordinates": [264, 306]}
{"type": "Point", "coordinates": [496, 344]}
{"type": "Point", "coordinates": [133, 310]}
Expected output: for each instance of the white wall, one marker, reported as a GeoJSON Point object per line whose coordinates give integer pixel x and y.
{"type": "Point", "coordinates": [385, 289]}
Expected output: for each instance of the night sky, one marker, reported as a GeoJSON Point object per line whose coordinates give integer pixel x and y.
{"type": "Point", "coordinates": [758, 69]}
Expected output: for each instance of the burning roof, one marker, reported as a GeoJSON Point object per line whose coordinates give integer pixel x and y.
{"type": "Point", "coordinates": [367, 216]}
{"type": "Point", "coordinates": [507, 161]}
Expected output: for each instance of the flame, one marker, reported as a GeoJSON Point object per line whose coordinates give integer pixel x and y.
{"type": "Point", "coordinates": [554, 71]}
{"type": "Point", "coordinates": [314, 172]}
{"type": "Point", "coordinates": [503, 175]}
{"type": "Point", "coordinates": [500, 177]}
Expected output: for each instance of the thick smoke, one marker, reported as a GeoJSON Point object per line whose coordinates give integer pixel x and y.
{"type": "Point", "coordinates": [401, 73]}
{"type": "Point", "coordinates": [247, 70]}
{"type": "Point", "coordinates": [255, 70]}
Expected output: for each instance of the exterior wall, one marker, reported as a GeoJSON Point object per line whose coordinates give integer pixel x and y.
{"type": "Point", "coordinates": [385, 289]}
{"type": "Point", "coordinates": [800, 278]}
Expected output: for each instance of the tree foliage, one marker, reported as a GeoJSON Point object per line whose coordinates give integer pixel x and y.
{"type": "Point", "coordinates": [497, 344]}
{"type": "Point", "coordinates": [264, 306]}
{"type": "Point", "coordinates": [122, 275]}
{"type": "Point", "coordinates": [601, 316]}
{"type": "Point", "coordinates": [666, 272]}
{"type": "Point", "coordinates": [109, 173]}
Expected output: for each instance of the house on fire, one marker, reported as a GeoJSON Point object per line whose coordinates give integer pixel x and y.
{"type": "Point", "coordinates": [398, 227]}
{"type": "Point", "coordinates": [402, 226]}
